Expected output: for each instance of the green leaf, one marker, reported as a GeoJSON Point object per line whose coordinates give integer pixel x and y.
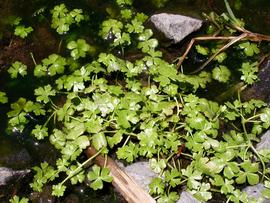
{"type": "Point", "coordinates": [231, 170]}
{"type": "Point", "coordinates": [193, 176]}
{"type": "Point", "coordinates": [62, 19]}
{"type": "Point", "coordinates": [58, 190]}
{"type": "Point", "coordinates": [22, 31]}
{"type": "Point", "coordinates": [77, 176]}
{"type": "Point", "coordinates": [97, 176]}
{"type": "Point", "coordinates": [227, 187]}
{"type": "Point", "coordinates": [202, 50]}
{"type": "Point", "coordinates": [115, 139]}
{"type": "Point", "coordinates": [111, 28]}
{"type": "Point", "coordinates": [99, 141]}
{"type": "Point", "coordinates": [40, 132]}
{"type": "Point", "coordinates": [221, 73]}
{"type": "Point", "coordinates": [44, 93]}
{"type": "Point", "coordinates": [157, 166]}
{"type": "Point", "coordinates": [265, 117]}
{"type": "Point", "coordinates": [78, 48]}
{"type": "Point", "coordinates": [203, 193]}
{"type": "Point", "coordinates": [82, 142]}
{"type": "Point", "coordinates": [148, 45]}
{"type": "Point", "coordinates": [221, 57]}
{"type": "Point", "coordinates": [173, 177]}
{"type": "Point", "coordinates": [77, 15]}
{"type": "Point", "coordinates": [126, 14]}
{"type": "Point", "coordinates": [3, 97]}
{"type": "Point", "coordinates": [135, 26]}
{"type": "Point", "coordinates": [16, 199]}
{"type": "Point", "coordinates": [124, 2]}
{"type": "Point", "coordinates": [94, 125]}
{"type": "Point", "coordinates": [249, 71]}
{"type": "Point", "coordinates": [249, 173]}
{"type": "Point", "coordinates": [156, 186]}
{"type": "Point", "coordinates": [170, 198]}
{"type": "Point", "coordinates": [249, 48]}
{"type": "Point", "coordinates": [128, 152]}
{"type": "Point", "coordinates": [266, 193]}
{"type": "Point", "coordinates": [17, 68]}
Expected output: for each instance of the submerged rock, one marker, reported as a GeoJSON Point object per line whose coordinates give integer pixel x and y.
{"type": "Point", "coordinates": [254, 193]}
{"type": "Point", "coordinates": [7, 175]}
{"type": "Point", "coordinates": [175, 27]}
{"type": "Point", "coordinates": [15, 158]}
{"type": "Point", "coordinates": [142, 173]}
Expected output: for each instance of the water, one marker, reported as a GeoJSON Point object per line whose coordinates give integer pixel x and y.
{"type": "Point", "coordinates": [255, 13]}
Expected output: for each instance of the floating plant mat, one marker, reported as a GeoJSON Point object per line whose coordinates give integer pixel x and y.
{"type": "Point", "coordinates": [91, 75]}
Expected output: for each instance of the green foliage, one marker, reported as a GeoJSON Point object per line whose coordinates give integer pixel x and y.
{"type": "Point", "coordinates": [17, 68]}
{"type": "Point", "coordinates": [62, 18]}
{"type": "Point", "coordinates": [58, 190]}
{"type": "Point", "coordinates": [22, 31]}
{"type": "Point", "coordinates": [78, 48]}
{"type": "Point", "coordinates": [97, 176]}
{"type": "Point", "coordinates": [221, 73]}
{"type": "Point", "coordinates": [3, 97]}
{"type": "Point", "coordinates": [52, 65]}
{"type": "Point", "coordinates": [43, 93]}
{"type": "Point", "coordinates": [16, 199]}
{"type": "Point", "coordinates": [124, 2]}
{"type": "Point", "coordinates": [249, 71]}
{"type": "Point", "coordinates": [249, 48]}
{"type": "Point", "coordinates": [144, 108]}
{"type": "Point", "coordinates": [202, 50]}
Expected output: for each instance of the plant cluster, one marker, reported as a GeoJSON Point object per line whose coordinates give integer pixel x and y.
{"type": "Point", "coordinates": [21, 30]}
{"type": "Point", "coordinates": [146, 108]}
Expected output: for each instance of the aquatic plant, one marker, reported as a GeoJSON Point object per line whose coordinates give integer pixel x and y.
{"type": "Point", "coordinates": [147, 108]}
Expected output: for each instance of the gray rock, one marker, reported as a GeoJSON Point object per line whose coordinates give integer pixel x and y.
{"type": "Point", "coordinates": [260, 89]}
{"type": "Point", "coordinates": [254, 193]}
{"type": "Point", "coordinates": [175, 27]}
{"type": "Point", "coordinates": [265, 141]}
{"type": "Point", "coordinates": [142, 173]}
{"type": "Point", "coordinates": [7, 174]}
{"type": "Point", "coordinates": [186, 197]}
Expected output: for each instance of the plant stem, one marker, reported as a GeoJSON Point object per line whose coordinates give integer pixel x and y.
{"type": "Point", "coordinates": [262, 162]}
{"type": "Point", "coordinates": [48, 120]}
{"type": "Point", "coordinates": [80, 167]}
{"type": "Point", "coordinates": [33, 58]}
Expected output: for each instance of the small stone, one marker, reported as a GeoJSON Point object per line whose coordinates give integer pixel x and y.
{"type": "Point", "coordinates": [265, 141]}
{"type": "Point", "coordinates": [254, 193]}
{"type": "Point", "coordinates": [142, 173]}
{"type": "Point", "coordinates": [186, 197]}
{"type": "Point", "coordinates": [175, 27]}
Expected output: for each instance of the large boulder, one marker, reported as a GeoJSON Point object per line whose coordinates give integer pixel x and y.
{"type": "Point", "coordinates": [175, 27]}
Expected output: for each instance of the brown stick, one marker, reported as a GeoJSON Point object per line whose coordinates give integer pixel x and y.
{"type": "Point", "coordinates": [226, 46]}
{"type": "Point", "coordinates": [124, 184]}
{"type": "Point", "coordinates": [246, 34]}
{"type": "Point", "coordinates": [206, 38]}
